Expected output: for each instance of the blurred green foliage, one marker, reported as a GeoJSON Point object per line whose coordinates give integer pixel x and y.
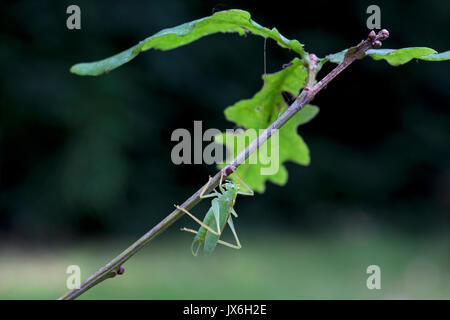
{"type": "Point", "coordinates": [91, 156]}
{"type": "Point", "coordinates": [84, 158]}
{"type": "Point", "coordinates": [275, 265]}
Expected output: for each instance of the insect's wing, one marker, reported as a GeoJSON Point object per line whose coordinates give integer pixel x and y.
{"type": "Point", "coordinates": [223, 209]}
{"type": "Point", "coordinates": [195, 246]}
{"type": "Point", "coordinates": [210, 241]}
{"type": "Point", "coordinates": [201, 233]}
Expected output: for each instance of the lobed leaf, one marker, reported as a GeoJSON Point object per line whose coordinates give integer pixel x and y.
{"type": "Point", "coordinates": [399, 56]}
{"type": "Point", "coordinates": [223, 21]}
{"type": "Point", "coordinates": [337, 57]}
{"type": "Point", "coordinates": [437, 56]}
{"type": "Point", "coordinates": [396, 57]}
{"type": "Point", "coordinates": [258, 113]}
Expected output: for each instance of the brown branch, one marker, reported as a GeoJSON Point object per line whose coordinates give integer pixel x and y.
{"type": "Point", "coordinates": [115, 267]}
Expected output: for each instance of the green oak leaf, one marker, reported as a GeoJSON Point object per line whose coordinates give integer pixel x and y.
{"type": "Point", "coordinates": [258, 113]}
{"type": "Point", "coordinates": [262, 165]}
{"type": "Point", "coordinates": [437, 56]}
{"type": "Point", "coordinates": [396, 57]}
{"type": "Point", "coordinates": [265, 106]}
{"type": "Point", "coordinates": [399, 56]}
{"type": "Point", "coordinates": [337, 57]}
{"type": "Point", "coordinates": [223, 21]}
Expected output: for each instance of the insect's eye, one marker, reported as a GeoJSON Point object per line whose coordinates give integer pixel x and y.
{"type": "Point", "coordinates": [232, 187]}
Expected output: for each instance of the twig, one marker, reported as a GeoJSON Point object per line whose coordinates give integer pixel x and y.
{"type": "Point", "coordinates": [115, 267]}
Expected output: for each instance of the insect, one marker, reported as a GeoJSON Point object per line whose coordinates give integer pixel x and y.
{"type": "Point", "coordinates": [218, 215]}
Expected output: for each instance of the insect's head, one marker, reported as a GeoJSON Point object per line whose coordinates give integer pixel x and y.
{"type": "Point", "coordinates": [230, 186]}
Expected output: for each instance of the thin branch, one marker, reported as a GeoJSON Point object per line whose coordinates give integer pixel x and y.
{"type": "Point", "coordinates": [115, 267]}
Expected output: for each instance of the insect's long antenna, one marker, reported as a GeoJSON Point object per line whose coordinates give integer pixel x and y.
{"type": "Point", "coordinates": [244, 171]}
{"type": "Point", "coordinates": [242, 181]}
{"type": "Point", "coordinates": [261, 119]}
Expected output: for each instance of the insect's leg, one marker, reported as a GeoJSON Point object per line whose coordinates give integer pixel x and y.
{"type": "Point", "coordinates": [210, 195]}
{"type": "Point", "coordinates": [234, 212]}
{"type": "Point", "coordinates": [220, 181]}
{"type": "Point", "coordinates": [230, 223]}
{"type": "Point", "coordinates": [188, 230]}
{"type": "Point", "coordinates": [229, 245]}
{"type": "Point", "coordinates": [234, 246]}
{"type": "Point", "coordinates": [197, 220]}
{"type": "Point", "coordinates": [214, 194]}
{"type": "Point", "coordinates": [206, 186]}
{"type": "Point", "coordinates": [250, 192]}
{"type": "Point", "coordinates": [194, 251]}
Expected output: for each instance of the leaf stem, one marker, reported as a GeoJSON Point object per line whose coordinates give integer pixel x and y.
{"type": "Point", "coordinates": [114, 267]}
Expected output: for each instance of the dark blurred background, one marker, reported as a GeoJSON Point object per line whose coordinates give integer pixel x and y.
{"type": "Point", "coordinates": [88, 157]}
